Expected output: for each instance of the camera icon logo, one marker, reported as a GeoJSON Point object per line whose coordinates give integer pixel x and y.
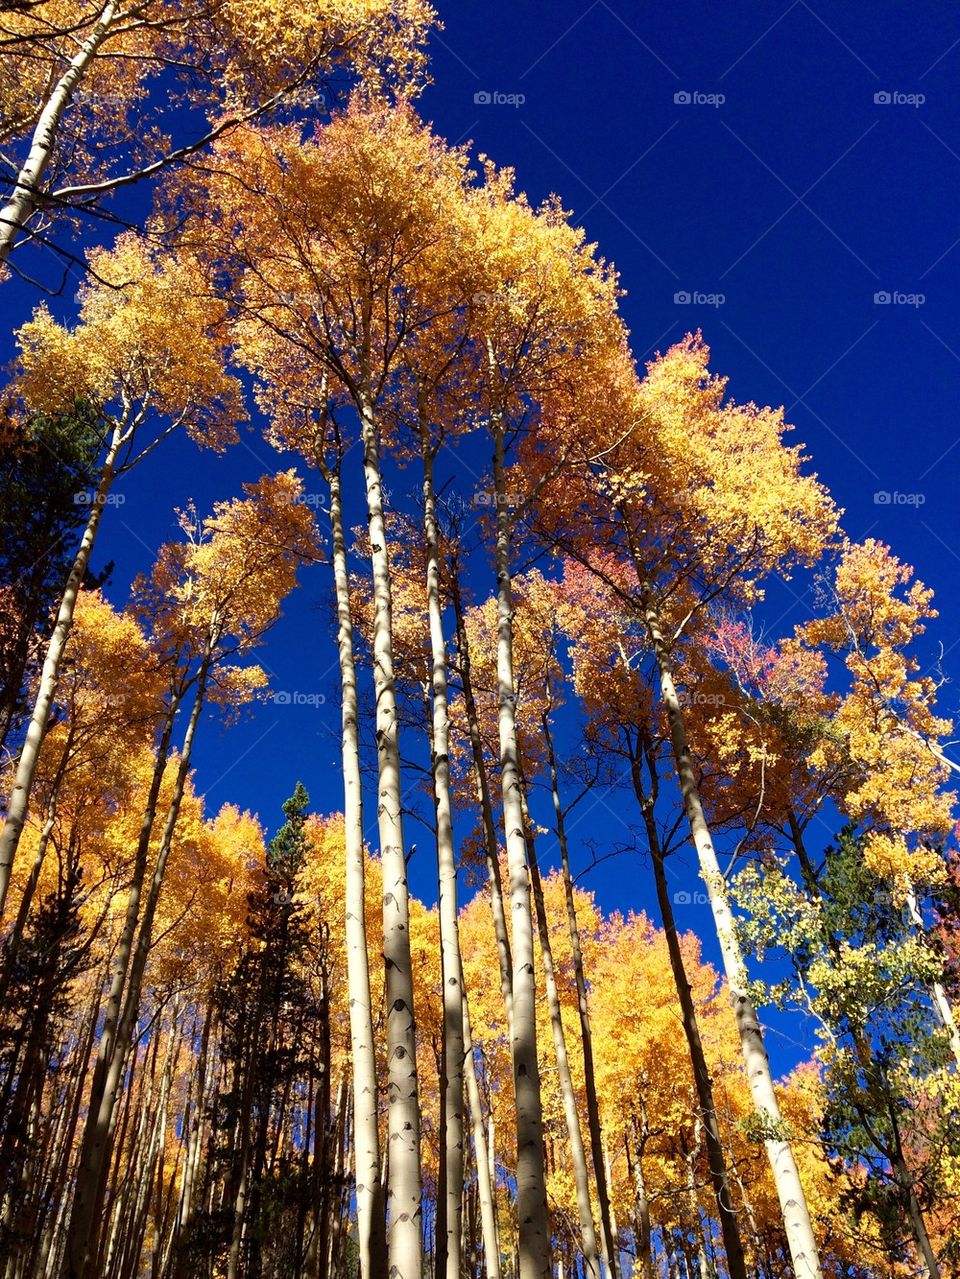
{"type": "Point", "coordinates": [682, 97]}
{"type": "Point", "coordinates": [882, 98]}
{"type": "Point", "coordinates": [682, 298]}
{"type": "Point", "coordinates": [482, 98]}
{"type": "Point", "coordinates": [882, 298]}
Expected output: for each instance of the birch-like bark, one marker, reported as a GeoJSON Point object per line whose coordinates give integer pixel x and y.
{"type": "Point", "coordinates": [491, 847]}
{"type": "Point", "coordinates": [693, 1203]}
{"type": "Point", "coordinates": [643, 1235]}
{"type": "Point", "coordinates": [404, 1239]}
{"type": "Point", "coordinates": [716, 1157]}
{"type": "Point", "coordinates": [783, 1165]}
{"type": "Point", "coordinates": [27, 190]}
{"type": "Point", "coordinates": [533, 1225]}
{"type": "Point", "coordinates": [14, 938]}
{"type": "Point", "coordinates": [451, 967]}
{"type": "Point", "coordinates": [371, 1224]}
{"type": "Point", "coordinates": [578, 1153]}
{"type": "Point", "coordinates": [19, 800]}
{"type": "Point", "coordinates": [483, 1154]}
{"type": "Point", "coordinates": [586, 1035]}
{"type": "Point", "coordinates": [613, 1260]}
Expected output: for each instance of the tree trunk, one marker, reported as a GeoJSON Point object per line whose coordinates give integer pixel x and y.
{"type": "Point", "coordinates": [85, 1225]}
{"type": "Point", "coordinates": [534, 1234]}
{"type": "Point", "coordinates": [928, 1257]}
{"type": "Point", "coordinates": [693, 1202]}
{"type": "Point", "coordinates": [578, 1154]}
{"type": "Point", "coordinates": [938, 996]}
{"type": "Point", "coordinates": [371, 1225]}
{"type": "Point", "coordinates": [793, 1204]}
{"type": "Point", "coordinates": [716, 1158]}
{"type": "Point", "coordinates": [203, 1077]}
{"type": "Point", "coordinates": [486, 806]}
{"type": "Point", "coordinates": [486, 1191]}
{"type": "Point", "coordinates": [15, 936]}
{"type": "Point", "coordinates": [583, 1008]}
{"type": "Point", "coordinates": [405, 1243]}
{"type": "Point", "coordinates": [613, 1259]}
{"type": "Point", "coordinates": [49, 677]}
{"type": "Point", "coordinates": [26, 193]}
{"type": "Point", "coordinates": [905, 1183]}
{"type": "Point", "coordinates": [83, 1205]}
{"type": "Point", "coordinates": [449, 1239]}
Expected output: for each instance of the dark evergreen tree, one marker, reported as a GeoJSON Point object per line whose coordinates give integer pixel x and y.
{"type": "Point", "coordinates": [272, 1154]}
{"type": "Point", "coordinates": [52, 955]}
{"type": "Point", "coordinates": [47, 473]}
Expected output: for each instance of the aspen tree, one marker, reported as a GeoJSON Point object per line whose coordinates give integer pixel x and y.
{"type": "Point", "coordinates": [744, 509]}
{"type": "Point", "coordinates": [316, 432]}
{"type": "Point", "coordinates": [145, 354]}
{"type": "Point", "coordinates": [541, 301]}
{"type": "Point", "coordinates": [86, 98]}
{"type": "Point", "coordinates": [210, 599]}
{"type": "Point", "coordinates": [351, 280]}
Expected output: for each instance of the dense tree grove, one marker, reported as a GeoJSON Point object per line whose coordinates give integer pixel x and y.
{"type": "Point", "coordinates": [228, 1056]}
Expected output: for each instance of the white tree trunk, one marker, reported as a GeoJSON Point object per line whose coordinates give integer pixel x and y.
{"type": "Point", "coordinates": [483, 1154]}
{"type": "Point", "coordinates": [50, 676]}
{"type": "Point", "coordinates": [613, 1260]}
{"type": "Point", "coordinates": [451, 967]}
{"type": "Point", "coordinates": [404, 1239]}
{"type": "Point", "coordinates": [578, 1154]}
{"type": "Point", "coordinates": [608, 1232]}
{"type": "Point", "coordinates": [793, 1203]}
{"type": "Point", "coordinates": [26, 193]}
{"type": "Point", "coordinates": [534, 1236]}
{"type": "Point", "coordinates": [371, 1224]}
{"type": "Point", "coordinates": [491, 847]}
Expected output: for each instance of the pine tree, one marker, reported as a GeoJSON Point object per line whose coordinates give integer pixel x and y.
{"type": "Point", "coordinates": [47, 469]}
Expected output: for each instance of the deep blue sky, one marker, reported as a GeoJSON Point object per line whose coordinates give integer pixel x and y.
{"type": "Point", "coordinates": [798, 198]}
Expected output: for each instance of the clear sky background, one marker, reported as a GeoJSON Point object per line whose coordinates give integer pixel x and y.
{"type": "Point", "coordinates": [767, 172]}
